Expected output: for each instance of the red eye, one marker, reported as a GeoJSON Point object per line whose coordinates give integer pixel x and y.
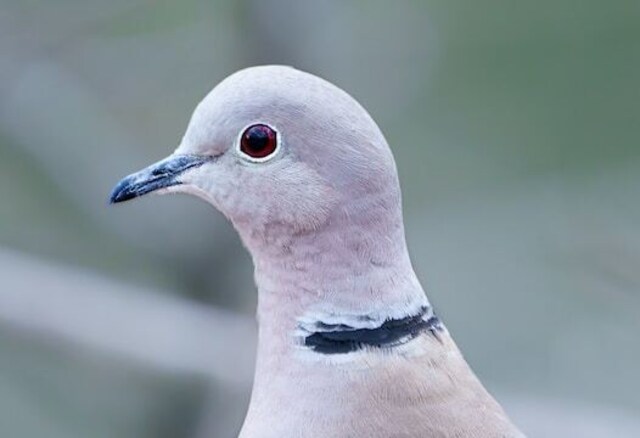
{"type": "Point", "coordinates": [258, 141]}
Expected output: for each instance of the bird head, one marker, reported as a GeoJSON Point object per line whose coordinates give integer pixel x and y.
{"type": "Point", "coordinates": [273, 147]}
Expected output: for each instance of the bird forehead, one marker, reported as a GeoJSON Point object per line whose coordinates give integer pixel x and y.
{"type": "Point", "coordinates": [272, 91]}
{"type": "Point", "coordinates": [277, 79]}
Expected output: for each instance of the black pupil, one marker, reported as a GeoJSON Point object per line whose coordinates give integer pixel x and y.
{"type": "Point", "coordinates": [258, 138]}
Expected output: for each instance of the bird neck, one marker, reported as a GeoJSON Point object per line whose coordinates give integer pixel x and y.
{"type": "Point", "coordinates": [345, 274]}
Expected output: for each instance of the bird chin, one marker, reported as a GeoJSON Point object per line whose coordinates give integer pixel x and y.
{"type": "Point", "coordinates": [193, 190]}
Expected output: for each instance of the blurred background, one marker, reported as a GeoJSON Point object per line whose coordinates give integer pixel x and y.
{"type": "Point", "coordinates": [516, 131]}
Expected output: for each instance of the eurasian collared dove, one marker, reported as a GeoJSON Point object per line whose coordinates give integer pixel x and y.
{"type": "Point", "coordinates": [349, 345]}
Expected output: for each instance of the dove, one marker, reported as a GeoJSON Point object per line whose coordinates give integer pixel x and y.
{"type": "Point", "coordinates": [348, 343]}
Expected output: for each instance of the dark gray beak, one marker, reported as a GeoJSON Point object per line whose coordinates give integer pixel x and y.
{"type": "Point", "coordinates": [155, 177]}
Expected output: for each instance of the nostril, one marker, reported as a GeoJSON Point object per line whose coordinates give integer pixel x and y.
{"type": "Point", "coordinates": [160, 171]}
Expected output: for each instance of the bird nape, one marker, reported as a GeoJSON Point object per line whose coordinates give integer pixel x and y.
{"type": "Point", "coordinates": [349, 345]}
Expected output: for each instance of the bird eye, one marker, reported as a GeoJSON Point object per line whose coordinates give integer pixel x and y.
{"type": "Point", "coordinates": [258, 141]}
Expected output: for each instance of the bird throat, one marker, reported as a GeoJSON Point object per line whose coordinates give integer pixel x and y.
{"type": "Point", "coordinates": [341, 338]}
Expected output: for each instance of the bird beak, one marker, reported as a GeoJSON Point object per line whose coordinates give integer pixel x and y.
{"type": "Point", "coordinates": [158, 176]}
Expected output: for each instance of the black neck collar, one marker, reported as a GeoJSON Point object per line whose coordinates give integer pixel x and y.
{"type": "Point", "coordinates": [342, 338]}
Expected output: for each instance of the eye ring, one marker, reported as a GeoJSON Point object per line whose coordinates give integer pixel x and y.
{"type": "Point", "coordinates": [258, 142]}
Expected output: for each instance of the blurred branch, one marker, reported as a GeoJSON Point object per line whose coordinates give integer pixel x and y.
{"type": "Point", "coordinates": [62, 305]}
